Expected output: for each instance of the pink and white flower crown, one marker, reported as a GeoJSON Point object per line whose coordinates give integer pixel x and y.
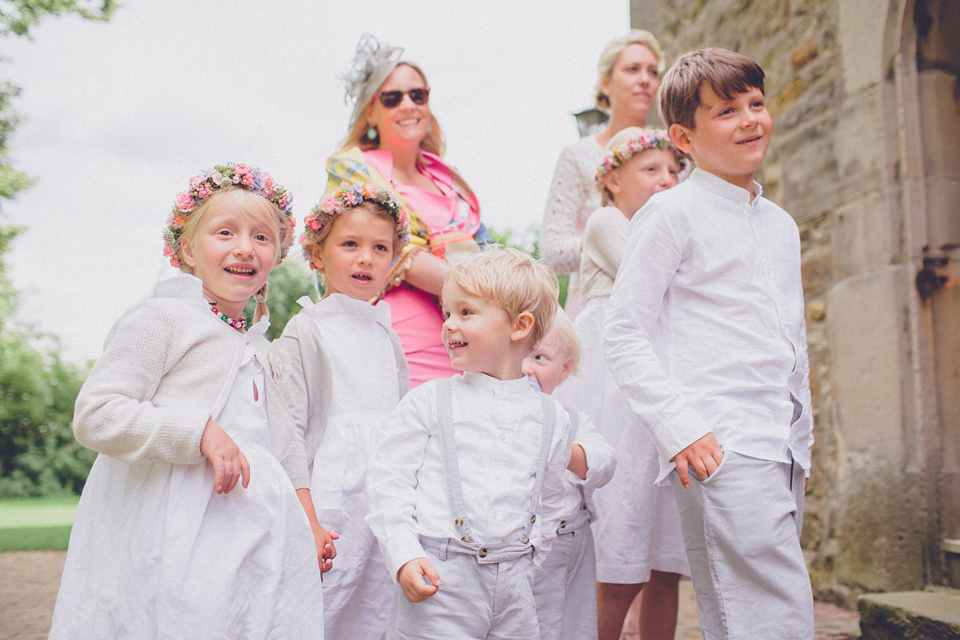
{"type": "Point", "coordinates": [346, 198]}
{"type": "Point", "coordinates": [222, 176]}
{"type": "Point", "coordinates": [649, 139]}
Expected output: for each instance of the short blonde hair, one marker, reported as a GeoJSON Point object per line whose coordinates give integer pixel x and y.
{"type": "Point", "coordinates": [514, 281]}
{"type": "Point", "coordinates": [608, 59]}
{"type": "Point", "coordinates": [567, 335]}
{"type": "Point", "coordinates": [245, 202]}
{"type": "Point", "coordinates": [728, 73]}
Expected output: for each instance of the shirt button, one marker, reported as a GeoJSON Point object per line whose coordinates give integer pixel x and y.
{"type": "Point", "coordinates": [526, 540]}
{"type": "Point", "coordinates": [563, 524]}
{"type": "Point", "coordinates": [458, 522]}
{"type": "Point", "coordinates": [533, 518]}
{"type": "Point", "coordinates": [482, 553]}
{"type": "Point", "coordinates": [465, 539]}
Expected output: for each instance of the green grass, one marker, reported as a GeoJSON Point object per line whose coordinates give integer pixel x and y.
{"type": "Point", "coordinates": [36, 523]}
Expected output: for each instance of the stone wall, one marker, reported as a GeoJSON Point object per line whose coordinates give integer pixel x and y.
{"type": "Point", "coordinates": [840, 164]}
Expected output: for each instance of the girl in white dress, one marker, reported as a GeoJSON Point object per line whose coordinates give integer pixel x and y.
{"type": "Point", "coordinates": [639, 546]}
{"type": "Point", "coordinates": [341, 368]}
{"type": "Point", "coordinates": [165, 543]}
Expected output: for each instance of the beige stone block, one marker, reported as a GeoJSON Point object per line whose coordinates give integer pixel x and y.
{"type": "Point", "coordinates": [865, 235]}
{"type": "Point", "coordinates": [860, 142]}
{"type": "Point", "coordinates": [943, 207]}
{"type": "Point", "coordinates": [940, 120]}
{"type": "Point", "coordinates": [865, 328]}
{"type": "Point", "coordinates": [861, 31]}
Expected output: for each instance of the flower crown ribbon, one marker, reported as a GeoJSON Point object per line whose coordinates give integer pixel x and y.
{"type": "Point", "coordinates": [223, 176]}
{"type": "Point", "coordinates": [371, 65]}
{"type": "Point", "coordinates": [647, 139]}
{"type": "Point", "coordinates": [350, 197]}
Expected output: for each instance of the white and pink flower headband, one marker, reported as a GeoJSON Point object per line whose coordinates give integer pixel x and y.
{"type": "Point", "coordinates": [648, 139]}
{"type": "Point", "coordinates": [223, 176]}
{"type": "Point", "coordinates": [346, 198]}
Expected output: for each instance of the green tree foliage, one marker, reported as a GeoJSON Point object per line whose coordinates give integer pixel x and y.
{"type": "Point", "coordinates": [38, 454]}
{"type": "Point", "coordinates": [287, 283]}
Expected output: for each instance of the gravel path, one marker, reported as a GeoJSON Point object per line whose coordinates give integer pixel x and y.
{"type": "Point", "coordinates": [29, 582]}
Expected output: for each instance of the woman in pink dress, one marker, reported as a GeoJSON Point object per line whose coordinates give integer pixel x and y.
{"type": "Point", "coordinates": [395, 139]}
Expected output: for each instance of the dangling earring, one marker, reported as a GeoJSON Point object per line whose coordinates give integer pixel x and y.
{"type": "Point", "coordinates": [372, 133]}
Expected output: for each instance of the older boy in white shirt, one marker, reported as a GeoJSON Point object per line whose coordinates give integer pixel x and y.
{"type": "Point", "coordinates": [466, 486]}
{"type": "Point", "coordinates": [706, 338]}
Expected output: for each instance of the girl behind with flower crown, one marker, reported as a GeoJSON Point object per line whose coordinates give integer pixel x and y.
{"type": "Point", "coordinates": [342, 371]}
{"type": "Point", "coordinates": [165, 542]}
{"type": "Point", "coordinates": [639, 548]}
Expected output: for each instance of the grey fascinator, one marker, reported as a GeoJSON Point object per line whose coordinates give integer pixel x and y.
{"type": "Point", "coordinates": [372, 63]}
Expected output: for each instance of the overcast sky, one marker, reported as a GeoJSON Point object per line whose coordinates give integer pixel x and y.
{"type": "Point", "coordinates": [119, 115]}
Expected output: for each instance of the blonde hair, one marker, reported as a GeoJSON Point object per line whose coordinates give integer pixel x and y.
{"type": "Point", "coordinates": [514, 281]}
{"type": "Point", "coordinates": [248, 203]}
{"type": "Point", "coordinates": [729, 74]}
{"type": "Point", "coordinates": [608, 59]}
{"type": "Point", "coordinates": [245, 202]}
{"type": "Point", "coordinates": [566, 334]}
{"type": "Point", "coordinates": [434, 142]}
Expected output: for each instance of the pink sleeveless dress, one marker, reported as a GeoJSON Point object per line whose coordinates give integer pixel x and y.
{"type": "Point", "coordinates": [415, 314]}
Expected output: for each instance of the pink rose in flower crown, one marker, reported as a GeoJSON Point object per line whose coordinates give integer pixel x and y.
{"type": "Point", "coordinates": [242, 174]}
{"type": "Point", "coordinates": [312, 224]}
{"type": "Point", "coordinates": [185, 202]}
{"type": "Point", "coordinates": [203, 191]}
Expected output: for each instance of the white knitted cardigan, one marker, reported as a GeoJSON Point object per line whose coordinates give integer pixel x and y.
{"type": "Point", "coordinates": [168, 365]}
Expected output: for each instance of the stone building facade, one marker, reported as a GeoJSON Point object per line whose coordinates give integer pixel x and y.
{"type": "Point", "coordinates": [866, 156]}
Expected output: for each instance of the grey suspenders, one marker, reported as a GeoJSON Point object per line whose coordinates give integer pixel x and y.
{"type": "Point", "coordinates": [455, 488]}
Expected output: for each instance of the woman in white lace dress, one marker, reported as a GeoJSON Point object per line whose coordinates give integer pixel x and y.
{"type": "Point", "coordinates": [628, 76]}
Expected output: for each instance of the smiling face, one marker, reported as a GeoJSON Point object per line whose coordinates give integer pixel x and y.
{"type": "Point", "coordinates": [730, 137]}
{"type": "Point", "coordinates": [646, 173]}
{"type": "Point", "coordinates": [356, 255]}
{"type": "Point", "coordinates": [549, 364]}
{"type": "Point", "coordinates": [407, 123]}
{"type": "Point", "coordinates": [479, 335]}
{"type": "Point", "coordinates": [632, 85]}
{"type": "Point", "coordinates": [232, 249]}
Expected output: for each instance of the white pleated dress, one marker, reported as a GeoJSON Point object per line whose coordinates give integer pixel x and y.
{"type": "Point", "coordinates": [364, 390]}
{"type": "Point", "coordinates": [637, 524]}
{"type": "Point", "coordinates": [156, 553]}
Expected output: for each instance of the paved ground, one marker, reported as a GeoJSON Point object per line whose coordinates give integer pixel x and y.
{"type": "Point", "coordinates": [29, 581]}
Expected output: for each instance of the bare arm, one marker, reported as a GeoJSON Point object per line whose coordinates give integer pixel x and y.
{"type": "Point", "coordinates": [427, 272]}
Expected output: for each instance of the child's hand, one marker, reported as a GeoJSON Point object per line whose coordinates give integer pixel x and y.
{"type": "Point", "coordinates": [326, 552]}
{"type": "Point", "coordinates": [411, 578]}
{"type": "Point", "coordinates": [704, 455]}
{"type": "Point", "coordinates": [229, 463]}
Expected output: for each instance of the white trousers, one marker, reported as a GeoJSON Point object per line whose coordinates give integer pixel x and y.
{"type": "Point", "coordinates": [741, 527]}
{"type": "Point", "coordinates": [565, 588]}
{"type": "Point", "coordinates": [475, 601]}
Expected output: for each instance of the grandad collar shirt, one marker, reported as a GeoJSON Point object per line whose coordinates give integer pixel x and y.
{"type": "Point", "coordinates": [705, 329]}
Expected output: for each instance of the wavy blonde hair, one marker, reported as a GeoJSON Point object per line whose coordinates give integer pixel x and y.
{"type": "Point", "coordinates": [608, 59]}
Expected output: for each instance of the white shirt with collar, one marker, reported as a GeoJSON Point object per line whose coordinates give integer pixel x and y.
{"type": "Point", "coordinates": [498, 426]}
{"type": "Point", "coordinates": [705, 328]}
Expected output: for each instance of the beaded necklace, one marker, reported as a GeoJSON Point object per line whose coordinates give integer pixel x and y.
{"type": "Point", "coordinates": [240, 324]}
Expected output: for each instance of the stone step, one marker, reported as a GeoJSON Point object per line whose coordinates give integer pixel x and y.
{"type": "Point", "coordinates": [933, 614]}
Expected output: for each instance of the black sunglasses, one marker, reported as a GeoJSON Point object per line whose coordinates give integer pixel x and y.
{"type": "Point", "coordinates": [390, 99]}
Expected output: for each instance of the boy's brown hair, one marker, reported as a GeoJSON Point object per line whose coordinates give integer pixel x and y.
{"type": "Point", "coordinates": [729, 73]}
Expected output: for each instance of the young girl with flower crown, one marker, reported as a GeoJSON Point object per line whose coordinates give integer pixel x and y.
{"type": "Point", "coordinates": [341, 369]}
{"type": "Point", "coordinates": [639, 548]}
{"type": "Point", "coordinates": [180, 407]}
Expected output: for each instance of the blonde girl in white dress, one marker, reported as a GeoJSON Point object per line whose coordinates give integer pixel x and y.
{"type": "Point", "coordinates": [639, 546]}
{"type": "Point", "coordinates": [341, 368]}
{"type": "Point", "coordinates": [189, 525]}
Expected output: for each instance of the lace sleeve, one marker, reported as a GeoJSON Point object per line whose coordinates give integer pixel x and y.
{"type": "Point", "coordinates": [560, 237]}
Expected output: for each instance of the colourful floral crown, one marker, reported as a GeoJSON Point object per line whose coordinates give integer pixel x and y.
{"type": "Point", "coordinates": [648, 139]}
{"type": "Point", "coordinates": [346, 198]}
{"type": "Point", "coordinates": [203, 186]}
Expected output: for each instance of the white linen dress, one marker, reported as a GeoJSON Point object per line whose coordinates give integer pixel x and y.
{"type": "Point", "coordinates": [637, 525]}
{"type": "Point", "coordinates": [156, 553]}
